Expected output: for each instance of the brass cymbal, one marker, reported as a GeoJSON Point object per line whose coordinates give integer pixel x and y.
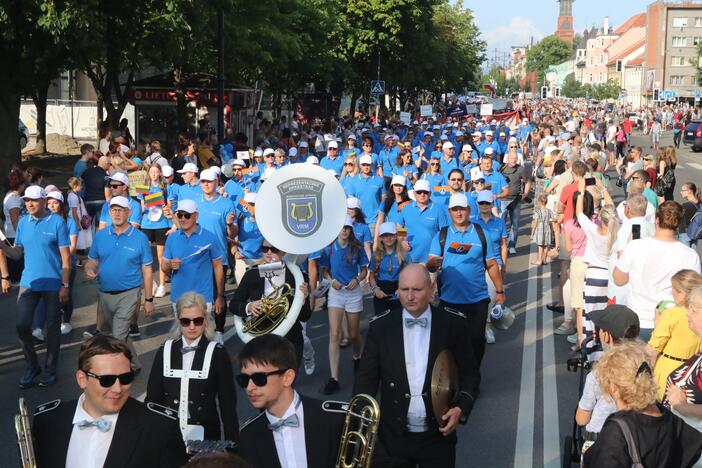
{"type": "Point", "coordinates": [444, 384]}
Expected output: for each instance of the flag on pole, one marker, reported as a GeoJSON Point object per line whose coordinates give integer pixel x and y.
{"type": "Point", "coordinates": [142, 189]}
{"type": "Point", "coordinates": [154, 199]}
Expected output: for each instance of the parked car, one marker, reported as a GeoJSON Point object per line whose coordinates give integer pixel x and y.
{"type": "Point", "coordinates": [23, 134]}
{"type": "Point", "coordinates": [692, 135]}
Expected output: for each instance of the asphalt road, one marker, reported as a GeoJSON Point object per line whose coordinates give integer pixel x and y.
{"type": "Point", "coordinates": [527, 395]}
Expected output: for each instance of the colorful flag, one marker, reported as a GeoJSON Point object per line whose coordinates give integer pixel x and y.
{"type": "Point", "coordinates": [442, 189]}
{"type": "Point", "coordinates": [459, 249]}
{"type": "Point", "coordinates": [401, 231]}
{"type": "Point", "coordinates": [154, 199]}
{"type": "Point", "coordinates": [142, 189]}
{"type": "Point", "coordinates": [249, 170]}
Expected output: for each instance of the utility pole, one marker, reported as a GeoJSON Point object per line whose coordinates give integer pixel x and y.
{"type": "Point", "coordinates": [220, 75]}
{"type": "Point", "coordinates": [377, 108]}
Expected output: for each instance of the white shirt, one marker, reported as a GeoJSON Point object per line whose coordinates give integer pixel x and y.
{"type": "Point", "coordinates": [650, 213]}
{"type": "Point", "coordinates": [88, 447]}
{"type": "Point", "coordinates": [278, 279]}
{"type": "Point", "coordinates": [188, 357]}
{"type": "Point", "coordinates": [290, 441]}
{"type": "Point", "coordinates": [416, 341]}
{"type": "Point", "coordinates": [12, 200]}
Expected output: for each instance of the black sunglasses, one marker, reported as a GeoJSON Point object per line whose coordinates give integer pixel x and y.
{"type": "Point", "coordinates": [269, 248]}
{"type": "Point", "coordinates": [421, 192]}
{"type": "Point", "coordinates": [109, 380]}
{"type": "Point", "coordinates": [198, 321]}
{"type": "Point", "coordinates": [348, 164]}
{"type": "Point", "coordinates": [484, 203]}
{"type": "Point", "coordinates": [116, 186]}
{"type": "Point", "coordinates": [260, 379]}
{"type": "Point", "coordinates": [455, 180]}
{"type": "Point", "coordinates": [182, 214]}
{"type": "Point", "coordinates": [479, 181]}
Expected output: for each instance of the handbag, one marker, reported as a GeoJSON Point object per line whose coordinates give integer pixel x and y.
{"type": "Point", "coordinates": [86, 221]}
{"type": "Point", "coordinates": [85, 239]}
{"type": "Point", "coordinates": [664, 182]}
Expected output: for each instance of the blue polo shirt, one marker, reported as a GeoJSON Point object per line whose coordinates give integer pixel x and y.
{"type": "Point", "coordinates": [213, 217]}
{"type": "Point", "coordinates": [250, 238]}
{"type": "Point", "coordinates": [496, 181]}
{"type": "Point", "coordinates": [388, 158]}
{"type": "Point", "coordinates": [362, 233]}
{"type": "Point", "coordinates": [447, 166]}
{"type": "Point", "coordinates": [369, 190]}
{"type": "Point", "coordinates": [235, 190]}
{"type": "Point", "coordinates": [195, 272]}
{"type": "Point", "coordinates": [462, 273]}
{"type": "Point", "coordinates": [121, 257]}
{"type": "Point", "coordinates": [434, 180]}
{"type": "Point", "coordinates": [394, 214]}
{"type": "Point", "coordinates": [188, 192]}
{"type": "Point", "coordinates": [422, 226]}
{"type": "Point", "coordinates": [340, 267]}
{"type": "Point", "coordinates": [389, 266]}
{"type": "Point", "coordinates": [346, 184]}
{"type": "Point", "coordinates": [495, 230]}
{"type": "Point", "coordinates": [336, 164]}
{"type": "Point", "coordinates": [172, 190]}
{"type": "Point", "coordinates": [41, 240]}
{"type": "Point", "coordinates": [73, 231]}
{"type": "Point", "coordinates": [134, 213]}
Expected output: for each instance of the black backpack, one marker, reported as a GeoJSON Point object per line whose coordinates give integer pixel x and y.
{"type": "Point", "coordinates": [443, 233]}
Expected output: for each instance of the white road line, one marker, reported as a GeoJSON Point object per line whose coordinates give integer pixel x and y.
{"type": "Point", "coordinates": [552, 443]}
{"type": "Point", "coordinates": [697, 166]}
{"type": "Point", "coordinates": [524, 446]}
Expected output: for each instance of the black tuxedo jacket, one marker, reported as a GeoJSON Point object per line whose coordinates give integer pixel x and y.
{"type": "Point", "coordinates": [202, 394]}
{"type": "Point", "coordinates": [322, 438]}
{"type": "Point", "coordinates": [142, 438]}
{"type": "Point", "coordinates": [383, 367]}
{"type": "Point", "coordinates": [251, 289]}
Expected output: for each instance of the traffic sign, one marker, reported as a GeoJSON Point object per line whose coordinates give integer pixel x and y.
{"type": "Point", "coordinates": [698, 95]}
{"type": "Point", "coordinates": [377, 87]}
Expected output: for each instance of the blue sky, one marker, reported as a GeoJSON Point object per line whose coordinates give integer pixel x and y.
{"type": "Point", "coordinates": [505, 23]}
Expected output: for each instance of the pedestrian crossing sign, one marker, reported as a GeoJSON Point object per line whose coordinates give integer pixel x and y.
{"type": "Point", "coordinates": [378, 87]}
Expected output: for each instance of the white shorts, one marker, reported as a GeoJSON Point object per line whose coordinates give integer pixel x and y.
{"type": "Point", "coordinates": [350, 301]}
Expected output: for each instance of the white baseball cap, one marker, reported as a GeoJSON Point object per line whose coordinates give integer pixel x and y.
{"type": "Point", "coordinates": [333, 144]}
{"type": "Point", "coordinates": [258, 152]}
{"type": "Point", "coordinates": [250, 198]}
{"type": "Point", "coordinates": [387, 228]}
{"type": "Point", "coordinates": [120, 201]}
{"type": "Point", "coordinates": [187, 206]}
{"type": "Point", "coordinates": [467, 148]}
{"type": "Point", "coordinates": [398, 180]}
{"type": "Point", "coordinates": [486, 196]}
{"type": "Point", "coordinates": [312, 160]}
{"type": "Point", "coordinates": [422, 184]}
{"type": "Point", "coordinates": [365, 159]}
{"type": "Point", "coordinates": [55, 195]}
{"type": "Point", "coordinates": [120, 177]}
{"type": "Point", "coordinates": [348, 221]}
{"type": "Point", "coordinates": [34, 192]}
{"type": "Point", "coordinates": [477, 134]}
{"type": "Point", "coordinates": [208, 175]}
{"type": "Point", "coordinates": [477, 175]}
{"type": "Point", "coordinates": [458, 199]}
{"type": "Point", "coordinates": [447, 145]}
{"type": "Point", "coordinates": [489, 150]}
{"type": "Point", "coordinates": [292, 152]}
{"type": "Point", "coordinates": [188, 167]}
{"type": "Point", "coordinates": [352, 137]}
{"type": "Point", "coordinates": [216, 170]}
{"type": "Point", "coordinates": [268, 151]}
{"type": "Point", "coordinates": [303, 144]}
{"type": "Point", "coordinates": [353, 202]}
{"type": "Point", "coordinates": [488, 132]}
{"type": "Point", "coordinates": [239, 162]}
{"type": "Point", "coordinates": [167, 171]}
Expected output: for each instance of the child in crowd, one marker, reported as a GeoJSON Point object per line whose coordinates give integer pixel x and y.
{"type": "Point", "coordinates": [541, 230]}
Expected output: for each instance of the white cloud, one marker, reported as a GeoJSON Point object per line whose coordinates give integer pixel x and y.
{"type": "Point", "coordinates": [518, 32]}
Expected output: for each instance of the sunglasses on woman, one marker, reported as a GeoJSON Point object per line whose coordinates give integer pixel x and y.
{"type": "Point", "coordinates": [269, 248]}
{"type": "Point", "coordinates": [198, 321]}
{"type": "Point", "coordinates": [109, 380]}
{"type": "Point", "coordinates": [260, 379]}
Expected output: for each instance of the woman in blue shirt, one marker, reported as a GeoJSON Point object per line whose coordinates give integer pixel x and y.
{"type": "Point", "coordinates": [385, 265]}
{"type": "Point", "coordinates": [393, 204]}
{"type": "Point", "coordinates": [405, 167]}
{"type": "Point", "coordinates": [351, 170]}
{"type": "Point", "coordinates": [360, 227]}
{"type": "Point", "coordinates": [345, 264]}
{"type": "Point", "coordinates": [247, 251]}
{"type": "Point", "coordinates": [368, 149]}
{"type": "Point", "coordinates": [351, 148]}
{"type": "Point", "coordinates": [154, 222]}
{"type": "Point", "coordinates": [433, 174]}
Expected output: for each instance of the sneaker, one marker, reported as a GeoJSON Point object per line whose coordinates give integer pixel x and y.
{"type": "Point", "coordinates": [322, 288]}
{"type": "Point", "coordinates": [48, 379]}
{"type": "Point", "coordinates": [331, 387]}
{"type": "Point", "coordinates": [219, 337]}
{"type": "Point", "coordinates": [573, 338]}
{"type": "Point", "coordinates": [565, 329]}
{"type": "Point", "coordinates": [134, 331]}
{"type": "Point", "coordinates": [38, 334]}
{"type": "Point", "coordinates": [556, 308]}
{"type": "Point", "coordinates": [309, 366]}
{"type": "Point", "coordinates": [512, 250]}
{"type": "Point", "coordinates": [90, 333]}
{"type": "Point", "coordinates": [27, 379]}
{"type": "Point", "coordinates": [489, 336]}
{"type": "Point", "coordinates": [160, 291]}
{"type": "Point", "coordinates": [66, 328]}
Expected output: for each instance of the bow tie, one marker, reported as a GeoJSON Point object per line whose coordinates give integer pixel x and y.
{"type": "Point", "coordinates": [102, 425]}
{"type": "Point", "coordinates": [290, 421]}
{"type": "Point", "coordinates": [188, 349]}
{"type": "Point", "coordinates": [410, 322]}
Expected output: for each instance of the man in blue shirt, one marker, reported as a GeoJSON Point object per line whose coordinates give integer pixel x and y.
{"type": "Point", "coordinates": [190, 190]}
{"type": "Point", "coordinates": [192, 254]}
{"type": "Point", "coordinates": [494, 180]}
{"type": "Point", "coordinates": [423, 219]}
{"type": "Point", "coordinates": [119, 187]}
{"type": "Point", "coordinates": [86, 153]}
{"type": "Point", "coordinates": [120, 258]}
{"type": "Point", "coordinates": [234, 188]}
{"type": "Point", "coordinates": [368, 188]}
{"type": "Point", "coordinates": [42, 238]}
{"type": "Point", "coordinates": [388, 156]}
{"type": "Point", "coordinates": [490, 143]}
{"type": "Point", "coordinates": [332, 160]}
{"type": "Point", "coordinates": [448, 161]}
{"type": "Point", "coordinates": [462, 262]}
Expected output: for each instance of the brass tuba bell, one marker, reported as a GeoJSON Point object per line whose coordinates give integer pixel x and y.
{"type": "Point", "coordinates": [24, 436]}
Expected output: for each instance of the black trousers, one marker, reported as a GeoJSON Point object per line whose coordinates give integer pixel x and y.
{"type": "Point", "coordinates": [422, 450]}
{"type": "Point", "coordinates": [389, 288]}
{"type": "Point", "coordinates": [476, 316]}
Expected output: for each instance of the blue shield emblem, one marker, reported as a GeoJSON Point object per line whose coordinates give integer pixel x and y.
{"type": "Point", "coordinates": [301, 205]}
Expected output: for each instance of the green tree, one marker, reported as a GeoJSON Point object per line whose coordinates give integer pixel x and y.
{"type": "Point", "coordinates": [551, 50]}
{"type": "Point", "coordinates": [572, 88]}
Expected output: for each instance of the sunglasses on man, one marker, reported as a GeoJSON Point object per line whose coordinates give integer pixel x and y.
{"type": "Point", "coordinates": [109, 380]}
{"type": "Point", "coordinates": [260, 379]}
{"type": "Point", "coordinates": [183, 214]}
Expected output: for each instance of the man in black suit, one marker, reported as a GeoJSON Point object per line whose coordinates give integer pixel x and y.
{"type": "Point", "coordinates": [400, 351]}
{"type": "Point", "coordinates": [105, 427]}
{"type": "Point", "coordinates": [291, 430]}
{"type": "Point", "coordinates": [246, 300]}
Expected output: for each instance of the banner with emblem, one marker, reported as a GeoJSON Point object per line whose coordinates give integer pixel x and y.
{"type": "Point", "coordinates": [302, 205]}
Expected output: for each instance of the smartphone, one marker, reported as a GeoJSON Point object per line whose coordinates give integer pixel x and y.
{"type": "Point", "coordinates": [636, 231]}
{"type": "Point", "coordinates": [590, 181]}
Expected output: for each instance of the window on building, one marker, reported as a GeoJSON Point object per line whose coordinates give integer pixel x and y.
{"type": "Point", "coordinates": [600, 77]}
{"type": "Point", "coordinates": [590, 78]}
{"type": "Point", "coordinates": [679, 41]}
{"type": "Point", "coordinates": [696, 40]}
{"type": "Point", "coordinates": [677, 80]}
{"type": "Point", "coordinates": [680, 22]}
{"type": "Point", "coordinates": [679, 61]}
{"type": "Point", "coordinates": [698, 22]}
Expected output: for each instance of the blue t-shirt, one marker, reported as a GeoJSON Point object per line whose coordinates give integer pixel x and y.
{"type": "Point", "coordinates": [340, 267]}
{"type": "Point", "coordinates": [134, 213]}
{"type": "Point", "coordinates": [495, 230]}
{"type": "Point", "coordinates": [197, 252]}
{"type": "Point", "coordinates": [213, 217]}
{"type": "Point", "coordinates": [73, 231]}
{"type": "Point", "coordinates": [388, 158]}
{"type": "Point", "coordinates": [235, 190]}
{"type": "Point", "coordinates": [41, 240]}
{"type": "Point", "coordinates": [362, 232]}
{"type": "Point", "coordinates": [369, 190]}
{"type": "Point", "coordinates": [422, 226]}
{"type": "Point", "coordinates": [394, 215]}
{"type": "Point", "coordinates": [162, 222]}
{"type": "Point", "coordinates": [79, 168]}
{"type": "Point", "coordinates": [435, 180]}
{"type": "Point", "coordinates": [250, 238]}
{"type": "Point", "coordinates": [496, 181]}
{"type": "Point", "coordinates": [448, 166]}
{"type": "Point", "coordinates": [462, 273]}
{"type": "Point", "coordinates": [188, 192]}
{"type": "Point", "coordinates": [121, 257]}
{"type": "Point", "coordinates": [389, 267]}
{"type": "Point", "coordinates": [336, 164]}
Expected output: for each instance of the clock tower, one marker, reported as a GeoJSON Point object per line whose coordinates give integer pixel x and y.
{"type": "Point", "coordinates": [565, 21]}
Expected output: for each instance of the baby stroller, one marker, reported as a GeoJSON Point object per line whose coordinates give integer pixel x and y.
{"type": "Point", "coordinates": [573, 443]}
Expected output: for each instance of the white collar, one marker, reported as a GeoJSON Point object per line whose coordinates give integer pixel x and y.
{"type": "Point", "coordinates": [426, 314]}
{"type": "Point", "coordinates": [82, 415]}
{"type": "Point", "coordinates": [196, 341]}
{"type": "Point", "coordinates": [292, 409]}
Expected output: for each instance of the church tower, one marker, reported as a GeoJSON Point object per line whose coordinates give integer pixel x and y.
{"type": "Point", "coordinates": [565, 21]}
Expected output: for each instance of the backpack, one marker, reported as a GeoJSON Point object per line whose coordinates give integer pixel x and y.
{"type": "Point", "coordinates": [443, 233]}
{"type": "Point", "coordinates": [694, 227]}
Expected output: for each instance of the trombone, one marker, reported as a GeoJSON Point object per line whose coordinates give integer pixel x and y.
{"type": "Point", "coordinates": [360, 430]}
{"type": "Point", "coordinates": [24, 436]}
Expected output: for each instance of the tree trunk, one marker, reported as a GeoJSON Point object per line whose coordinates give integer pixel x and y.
{"type": "Point", "coordinates": [354, 100]}
{"type": "Point", "coordinates": [9, 118]}
{"type": "Point", "coordinates": [39, 98]}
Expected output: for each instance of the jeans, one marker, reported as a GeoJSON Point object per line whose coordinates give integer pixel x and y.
{"type": "Point", "coordinates": [94, 208]}
{"type": "Point", "coordinates": [27, 301]}
{"type": "Point", "coordinates": [513, 226]}
{"type": "Point", "coordinates": [65, 309]}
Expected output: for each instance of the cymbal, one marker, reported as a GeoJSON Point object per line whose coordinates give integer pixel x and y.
{"type": "Point", "coordinates": [444, 384]}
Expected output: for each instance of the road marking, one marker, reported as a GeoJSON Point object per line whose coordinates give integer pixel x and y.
{"type": "Point", "coordinates": [697, 166]}
{"type": "Point", "coordinates": [524, 445]}
{"type": "Point", "coordinates": [552, 443]}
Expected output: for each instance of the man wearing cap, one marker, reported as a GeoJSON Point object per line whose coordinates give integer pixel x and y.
{"type": "Point", "coordinates": [462, 261]}
{"type": "Point", "coordinates": [120, 258]}
{"type": "Point", "coordinates": [217, 215]}
{"type": "Point", "coordinates": [42, 238]}
{"type": "Point", "coordinates": [489, 143]}
{"type": "Point", "coordinates": [423, 219]}
{"type": "Point", "coordinates": [332, 159]}
{"type": "Point", "coordinates": [303, 151]}
{"type": "Point", "coordinates": [191, 255]}
{"type": "Point", "coordinates": [369, 189]}
{"type": "Point", "coordinates": [190, 190]}
{"type": "Point", "coordinates": [494, 181]}
{"type": "Point", "coordinates": [119, 187]}
{"type": "Point", "coordinates": [448, 160]}
{"type": "Point", "coordinates": [518, 188]}
{"type": "Point", "coordinates": [235, 187]}
{"type": "Point", "coordinates": [388, 156]}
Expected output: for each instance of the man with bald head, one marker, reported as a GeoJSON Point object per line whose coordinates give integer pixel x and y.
{"type": "Point", "coordinates": [399, 360]}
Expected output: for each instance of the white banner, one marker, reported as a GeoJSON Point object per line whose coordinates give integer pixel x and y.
{"type": "Point", "coordinates": [406, 117]}
{"type": "Point", "coordinates": [425, 111]}
{"type": "Point", "coordinates": [485, 109]}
